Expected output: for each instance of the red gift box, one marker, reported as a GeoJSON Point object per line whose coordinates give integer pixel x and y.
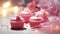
{"type": "Point", "coordinates": [35, 22]}
{"type": "Point", "coordinates": [17, 24]}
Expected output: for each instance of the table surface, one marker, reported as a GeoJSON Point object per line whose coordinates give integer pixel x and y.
{"type": "Point", "coordinates": [5, 28]}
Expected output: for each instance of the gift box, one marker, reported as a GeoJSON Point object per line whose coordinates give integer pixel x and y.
{"type": "Point", "coordinates": [35, 22]}
{"type": "Point", "coordinates": [17, 23]}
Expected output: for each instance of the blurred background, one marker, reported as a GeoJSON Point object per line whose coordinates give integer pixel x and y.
{"type": "Point", "coordinates": [9, 8]}
{"type": "Point", "coordinates": [9, 5]}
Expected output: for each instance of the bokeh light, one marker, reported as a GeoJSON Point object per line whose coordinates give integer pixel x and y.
{"type": "Point", "coordinates": [6, 5]}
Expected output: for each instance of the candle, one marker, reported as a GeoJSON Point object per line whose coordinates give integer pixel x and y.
{"type": "Point", "coordinates": [4, 13]}
{"type": "Point", "coordinates": [15, 9]}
